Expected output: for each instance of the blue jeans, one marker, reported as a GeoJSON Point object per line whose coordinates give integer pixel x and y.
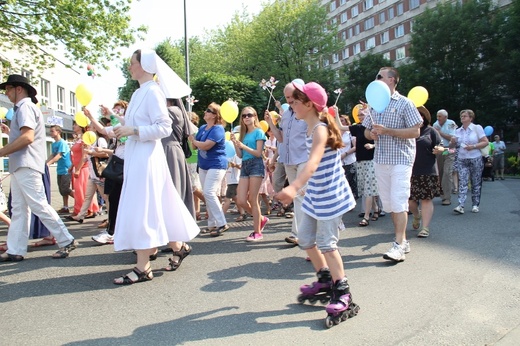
{"type": "Point", "coordinates": [252, 168]}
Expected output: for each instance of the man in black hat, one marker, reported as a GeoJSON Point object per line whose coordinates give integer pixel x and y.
{"type": "Point", "coordinates": [27, 153]}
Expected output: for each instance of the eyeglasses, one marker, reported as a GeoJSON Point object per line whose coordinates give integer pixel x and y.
{"type": "Point", "coordinates": [378, 77]}
{"type": "Point", "coordinates": [209, 111]}
{"type": "Point", "coordinates": [248, 115]}
{"type": "Point", "coordinates": [464, 116]}
{"type": "Point", "coordinates": [8, 88]}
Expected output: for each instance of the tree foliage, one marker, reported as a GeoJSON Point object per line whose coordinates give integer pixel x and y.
{"type": "Point", "coordinates": [87, 30]}
{"type": "Point", "coordinates": [454, 56]}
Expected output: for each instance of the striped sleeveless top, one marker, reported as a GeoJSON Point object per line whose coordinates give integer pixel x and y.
{"type": "Point", "coordinates": [328, 194]}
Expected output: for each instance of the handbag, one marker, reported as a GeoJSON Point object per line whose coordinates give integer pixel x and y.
{"type": "Point", "coordinates": [114, 169]}
{"type": "Point", "coordinates": [185, 145]}
{"type": "Point", "coordinates": [485, 151]}
{"type": "Point", "coordinates": [98, 165]}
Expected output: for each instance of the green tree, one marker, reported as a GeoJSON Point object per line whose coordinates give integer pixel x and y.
{"type": "Point", "coordinates": [454, 55]}
{"type": "Point", "coordinates": [88, 30]}
{"type": "Point", "coordinates": [288, 39]}
{"type": "Point", "coordinates": [355, 78]}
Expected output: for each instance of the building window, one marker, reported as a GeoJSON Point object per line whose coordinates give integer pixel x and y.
{"type": "Point", "coordinates": [382, 17]}
{"type": "Point", "coordinates": [356, 29]}
{"type": "Point", "coordinates": [400, 9]}
{"type": "Point", "coordinates": [391, 14]}
{"type": "Point", "coordinates": [368, 4]}
{"type": "Point", "coordinates": [334, 21]}
{"type": "Point", "coordinates": [27, 75]}
{"type": "Point", "coordinates": [335, 58]}
{"type": "Point", "coordinates": [369, 23]}
{"type": "Point", "coordinates": [357, 48]}
{"type": "Point", "coordinates": [343, 35]}
{"type": "Point", "coordinates": [350, 32]}
{"type": "Point", "coordinates": [332, 5]}
{"type": "Point", "coordinates": [414, 4]}
{"type": "Point", "coordinates": [386, 56]}
{"type": "Point", "coordinates": [354, 11]}
{"type": "Point", "coordinates": [60, 98]}
{"type": "Point", "coordinates": [399, 31]}
{"type": "Point", "coordinates": [45, 92]}
{"type": "Point", "coordinates": [342, 2]}
{"type": "Point", "coordinates": [346, 53]}
{"type": "Point", "coordinates": [72, 102]}
{"type": "Point", "coordinates": [370, 43]}
{"type": "Point", "coordinates": [326, 62]}
{"type": "Point", "coordinates": [385, 37]}
{"type": "Point", "coordinates": [343, 17]}
{"type": "Point", "coordinates": [400, 53]}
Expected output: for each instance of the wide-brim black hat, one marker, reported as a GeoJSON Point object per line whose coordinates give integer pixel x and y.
{"type": "Point", "coordinates": [19, 80]}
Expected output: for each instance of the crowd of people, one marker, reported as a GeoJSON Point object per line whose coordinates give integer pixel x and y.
{"type": "Point", "coordinates": [396, 161]}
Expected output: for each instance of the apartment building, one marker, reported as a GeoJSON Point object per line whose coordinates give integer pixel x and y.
{"type": "Point", "coordinates": [56, 94]}
{"type": "Point", "coordinates": [376, 26]}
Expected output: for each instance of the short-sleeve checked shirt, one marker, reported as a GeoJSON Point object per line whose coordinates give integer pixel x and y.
{"type": "Point", "coordinates": [400, 113]}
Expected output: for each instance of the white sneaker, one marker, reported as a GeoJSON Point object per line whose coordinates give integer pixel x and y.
{"type": "Point", "coordinates": [103, 238]}
{"type": "Point", "coordinates": [406, 246]}
{"type": "Point", "coordinates": [396, 253]}
{"type": "Point", "coordinates": [474, 209]}
{"type": "Point", "coordinates": [459, 209]}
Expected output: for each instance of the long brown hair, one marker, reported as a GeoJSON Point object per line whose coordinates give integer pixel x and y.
{"type": "Point", "coordinates": [334, 140]}
{"type": "Point", "coordinates": [243, 127]}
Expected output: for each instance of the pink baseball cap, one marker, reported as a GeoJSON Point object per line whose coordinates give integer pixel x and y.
{"type": "Point", "coordinates": [315, 93]}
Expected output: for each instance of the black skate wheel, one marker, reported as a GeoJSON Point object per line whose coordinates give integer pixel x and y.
{"type": "Point", "coordinates": [324, 300]}
{"type": "Point", "coordinates": [336, 320]}
{"type": "Point", "coordinates": [344, 316]}
{"type": "Point", "coordinates": [301, 299]}
{"type": "Point", "coordinates": [313, 300]}
{"type": "Point", "coordinates": [328, 322]}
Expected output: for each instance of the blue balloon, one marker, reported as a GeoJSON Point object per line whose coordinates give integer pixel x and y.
{"type": "Point", "coordinates": [298, 81]}
{"type": "Point", "coordinates": [230, 149]}
{"type": "Point", "coordinates": [9, 114]}
{"type": "Point", "coordinates": [285, 106]}
{"type": "Point", "coordinates": [488, 130]}
{"type": "Point", "coordinates": [378, 95]}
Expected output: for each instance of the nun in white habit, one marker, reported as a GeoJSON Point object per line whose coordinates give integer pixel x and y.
{"type": "Point", "coordinates": [151, 213]}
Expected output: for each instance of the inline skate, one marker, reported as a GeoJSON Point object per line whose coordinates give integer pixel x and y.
{"type": "Point", "coordinates": [318, 290]}
{"type": "Point", "coordinates": [341, 306]}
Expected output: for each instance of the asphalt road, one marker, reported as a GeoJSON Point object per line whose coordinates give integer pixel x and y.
{"type": "Point", "coordinates": [460, 286]}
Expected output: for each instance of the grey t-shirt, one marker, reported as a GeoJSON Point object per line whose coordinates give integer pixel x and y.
{"type": "Point", "coordinates": [32, 156]}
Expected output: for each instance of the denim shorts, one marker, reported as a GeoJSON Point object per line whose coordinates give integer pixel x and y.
{"type": "Point", "coordinates": [252, 168]}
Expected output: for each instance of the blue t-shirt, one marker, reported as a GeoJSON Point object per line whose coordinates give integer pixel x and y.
{"type": "Point", "coordinates": [250, 140]}
{"type": "Point", "coordinates": [214, 158]}
{"type": "Point", "coordinates": [63, 164]}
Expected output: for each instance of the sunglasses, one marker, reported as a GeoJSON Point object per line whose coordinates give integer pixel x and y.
{"type": "Point", "coordinates": [209, 111]}
{"type": "Point", "coordinates": [248, 115]}
{"type": "Point", "coordinates": [378, 77]}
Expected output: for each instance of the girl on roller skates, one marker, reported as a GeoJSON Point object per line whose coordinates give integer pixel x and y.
{"type": "Point", "coordinates": [327, 197]}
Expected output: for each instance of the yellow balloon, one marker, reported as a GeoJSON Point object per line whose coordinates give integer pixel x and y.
{"type": "Point", "coordinates": [264, 125]}
{"type": "Point", "coordinates": [89, 137]}
{"type": "Point", "coordinates": [355, 112]}
{"type": "Point", "coordinates": [228, 135]}
{"type": "Point", "coordinates": [275, 116]}
{"type": "Point", "coordinates": [237, 136]}
{"type": "Point", "coordinates": [229, 111]}
{"type": "Point", "coordinates": [81, 119]}
{"type": "Point", "coordinates": [3, 112]}
{"type": "Point", "coordinates": [83, 95]}
{"type": "Point", "coordinates": [418, 95]}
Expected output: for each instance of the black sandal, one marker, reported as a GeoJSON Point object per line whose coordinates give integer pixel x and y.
{"type": "Point", "coordinates": [218, 232]}
{"type": "Point", "coordinates": [364, 222]}
{"type": "Point", "coordinates": [182, 254]}
{"type": "Point", "coordinates": [241, 218]}
{"type": "Point", "coordinates": [375, 216]}
{"type": "Point", "coordinates": [146, 275]}
{"type": "Point", "coordinates": [66, 250]}
{"type": "Point", "coordinates": [208, 230]}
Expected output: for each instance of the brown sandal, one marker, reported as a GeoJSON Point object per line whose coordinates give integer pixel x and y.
{"type": "Point", "coordinates": [182, 254]}
{"type": "Point", "coordinates": [364, 222]}
{"type": "Point", "coordinates": [240, 218]}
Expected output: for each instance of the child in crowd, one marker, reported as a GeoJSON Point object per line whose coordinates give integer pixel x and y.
{"type": "Point", "coordinates": [232, 178]}
{"type": "Point", "coordinates": [327, 197]}
{"type": "Point", "coordinates": [250, 148]}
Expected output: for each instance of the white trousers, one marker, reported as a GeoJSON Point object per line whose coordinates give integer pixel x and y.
{"type": "Point", "coordinates": [211, 180]}
{"type": "Point", "coordinates": [28, 195]}
{"type": "Point", "coordinates": [292, 171]}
